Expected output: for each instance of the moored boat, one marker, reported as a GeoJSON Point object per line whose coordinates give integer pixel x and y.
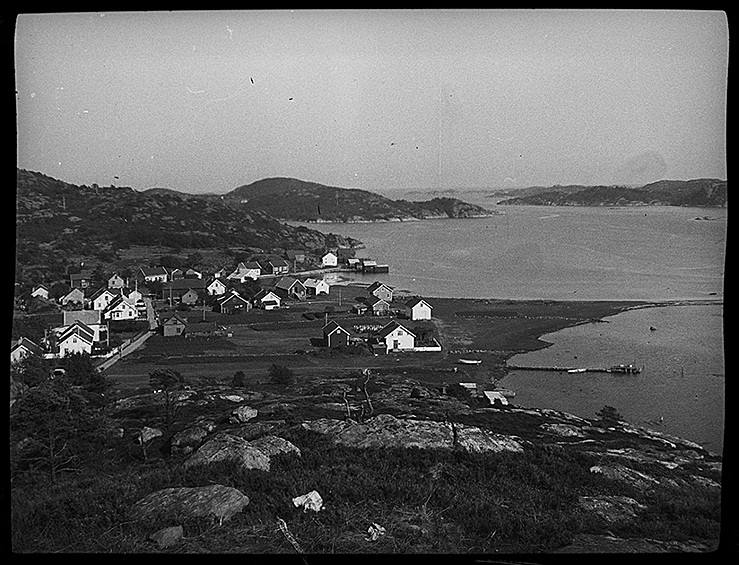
{"type": "Point", "coordinates": [630, 368]}
{"type": "Point", "coordinates": [576, 370]}
{"type": "Point", "coordinates": [470, 361]}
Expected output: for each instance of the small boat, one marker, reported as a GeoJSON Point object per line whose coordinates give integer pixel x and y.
{"type": "Point", "coordinates": [470, 361]}
{"type": "Point", "coordinates": [576, 370]}
{"type": "Point", "coordinates": [630, 368]}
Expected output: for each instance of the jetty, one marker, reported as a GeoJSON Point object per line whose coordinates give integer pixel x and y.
{"type": "Point", "coordinates": [623, 369]}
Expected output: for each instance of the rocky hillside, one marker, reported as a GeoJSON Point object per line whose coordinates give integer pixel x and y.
{"type": "Point", "coordinates": [297, 200]}
{"type": "Point", "coordinates": [697, 192]}
{"type": "Point", "coordinates": [391, 465]}
{"type": "Point", "coordinates": [57, 218]}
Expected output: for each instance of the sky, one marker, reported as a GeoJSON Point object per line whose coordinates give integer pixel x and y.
{"type": "Point", "coordinates": [372, 99]}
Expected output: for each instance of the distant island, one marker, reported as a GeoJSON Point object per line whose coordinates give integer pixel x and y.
{"type": "Point", "coordinates": [296, 200]}
{"type": "Point", "coordinates": [707, 193]}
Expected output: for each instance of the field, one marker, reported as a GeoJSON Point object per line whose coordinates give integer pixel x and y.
{"type": "Point", "coordinates": [491, 330]}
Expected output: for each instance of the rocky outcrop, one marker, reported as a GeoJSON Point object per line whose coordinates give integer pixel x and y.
{"type": "Point", "coordinates": [249, 454]}
{"type": "Point", "coordinates": [611, 509]}
{"type": "Point", "coordinates": [242, 414]}
{"type": "Point", "coordinates": [386, 430]}
{"type": "Point", "coordinates": [185, 441]}
{"type": "Point", "coordinates": [215, 502]}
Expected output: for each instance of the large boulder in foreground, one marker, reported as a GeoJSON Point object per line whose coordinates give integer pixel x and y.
{"type": "Point", "coordinates": [216, 502]}
{"type": "Point", "coordinates": [249, 454]}
{"type": "Point", "coordinates": [386, 430]}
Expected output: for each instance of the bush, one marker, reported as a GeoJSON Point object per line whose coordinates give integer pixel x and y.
{"type": "Point", "coordinates": [609, 416]}
{"type": "Point", "coordinates": [281, 375]}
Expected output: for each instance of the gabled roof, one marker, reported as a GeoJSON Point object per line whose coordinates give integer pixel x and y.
{"type": "Point", "coordinates": [334, 326]}
{"type": "Point", "coordinates": [74, 291]}
{"type": "Point", "coordinates": [392, 326]}
{"type": "Point", "coordinates": [79, 329]}
{"type": "Point", "coordinates": [286, 283]}
{"type": "Point", "coordinates": [152, 271]}
{"type": "Point", "coordinates": [101, 291]}
{"type": "Point", "coordinates": [117, 301]}
{"type": "Point", "coordinates": [27, 344]}
{"type": "Point", "coordinates": [174, 319]}
{"type": "Point", "coordinates": [329, 253]}
{"type": "Point", "coordinates": [374, 300]}
{"type": "Point", "coordinates": [278, 262]}
{"type": "Point", "coordinates": [416, 301]}
{"type": "Point", "coordinates": [213, 281]}
{"type": "Point", "coordinates": [39, 287]}
{"type": "Point", "coordinates": [87, 317]}
{"type": "Point", "coordinates": [314, 282]}
{"type": "Point", "coordinates": [80, 276]}
{"type": "Point", "coordinates": [264, 293]}
{"type": "Point", "coordinates": [233, 295]}
{"type": "Point", "coordinates": [377, 284]}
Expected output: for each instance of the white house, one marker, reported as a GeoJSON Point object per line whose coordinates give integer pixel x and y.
{"type": "Point", "coordinates": [93, 319]}
{"type": "Point", "coordinates": [418, 309]}
{"type": "Point", "coordinates": [314, 287]}
{"type": "Point", "coordinates": [40, 292]}
{"type": "Point", "coordinates": [267, 300]}
{"type": "Point", "coordinates": [216, 287]}
{"type": "Point", "coordinates": [73, 296]}
{"type": "Point", "coordinates": [155, 274]}
{"type": "Point", "coordinates": [22, 349]}
{"type": "Point", "coordinates": [115, 281]}
{"type": "Point", "coordinates": [121, 309]}
{"type": "Point", "coordinates": [102, 298]}
{"type": "Point", "coordinates": [250, 270]}
{"type": "Point", "coordinates": [397, 337]}
{"type": "Point", "coordinates": [329, 260]}
{"type": "Point", "coordinates": [77, 338]}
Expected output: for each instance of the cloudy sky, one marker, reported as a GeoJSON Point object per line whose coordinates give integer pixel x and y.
{"type": "Point", "coordinates": [379, 100]}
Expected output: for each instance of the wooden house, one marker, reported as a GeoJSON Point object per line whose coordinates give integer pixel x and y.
{"type": "Point", "coordinates": [278, 266]}
{"type": "Point", "coordinates": [314, 287]}
{"type": "Point", "coordinates": [267, 300]}
{"type": "Point", "coordinates": [329, 260]}
{"type": "Point", "coordinates": [334, 334]}
{"type": "Point", "coordinates": [193, 274]}
{"type": "Point", "coordinates": [23, 348]}
{"type": "Point", "coordinates": [343, 254]}
{"type": "Point", "coordinates": [174, 325]}
{"type": "Point", "coordinates": [295, 256]}
{"type": "Point", "coordinates": [418, 309]}
{"type": "Point", "coordinates": [80, 280]}
{"type": "Point", "coordinates": [77, 338]}
{"type": "Point", "coordinates": [290, 287]}
{"type": "Point", "coordinates": [396, 337]}
{"type": "Point", "coordinates": [232, 303]}
{"type": "Point", "coordinates": [93, 319]}
{"type": "Point", "coordinates": [102, 298]}
{"type": "Point", "coordinates": [377, 306]}
{"type": "Point", "coordinates": [73, 297]}
{"type": "Point", "coordinates": [121, 309]}
{"type": "Point", "coordinates": [154, 274]}
{"type": "Point", "coordinates": [381, 290]}
{"type": "Point", "coordinates": [189, 297]}
{"type": "Point", "coordinates": [40, 291]}
{"type": "Point", "coordinates": [115, 281]}
{"type": "Point", "coordinates": [249, 270]}
{"type": "Point", "coordinates": [176, 274]}
{"type": "Point", "coordinates": [216, 287]}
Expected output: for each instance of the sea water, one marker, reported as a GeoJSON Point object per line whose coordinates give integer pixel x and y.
{"type": "Point", "coordinates": [649, 253]}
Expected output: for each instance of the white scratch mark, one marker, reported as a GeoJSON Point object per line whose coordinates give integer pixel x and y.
{"type": "Point", "coordinates": [195, 91]}
{"type": "Point", "coordinates": [230, 32]}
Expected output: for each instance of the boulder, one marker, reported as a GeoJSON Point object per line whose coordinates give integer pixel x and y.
{"type": "Point", "coordinates": [214, 502]}
{"type": "Point", "coordinates": [185, 441]}
{"type": "Point", "coordinates": [611, 509]}
{"type": "Point", "coordinates": [253, 430]}
{"type": "Point", "coordinates": [242, 414]}
{"type": "Point", "coordinates": [167, 537]}
{"type": "Point", "coordinates": [386, 430]}
{"type": "Point", "coordinates": [148, 434]}
{"type": "Point", "coordinates": [273, 445]}
{"type": "Point", "coordinates": [225, 447]}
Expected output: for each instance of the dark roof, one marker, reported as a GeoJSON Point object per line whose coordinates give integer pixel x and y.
{"type": "Point", "coordinates": [415, 301]}
{"type": "Point", "coordinates": [28, 344]}
{"type": "Point", "coordinates": [286, 283]}
{"type": "Point", "coordinates": [78, 328]}
{"type": "Point", "coordinates": [386, 330]}
{"type": "Point", "coordinates": [333, 326]}
{"type": "Point", "coordinates": [174, 319]}
{"type": "Point", "coordinates": [377, 284]}
{"type": "Point", "coordinates": [149, 271]}
{"type": "Point", "coordinates": [374, 300]}
{"type": "Point", "coordinates": [231, 296]}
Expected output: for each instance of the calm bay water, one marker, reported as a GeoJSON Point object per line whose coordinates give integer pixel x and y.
{"type": "Point", "coordinates": [562, 253]}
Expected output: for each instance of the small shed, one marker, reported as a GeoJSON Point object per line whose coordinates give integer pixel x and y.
{"type": "Point", "coordinates": [335, 334]}
{"type": "Point", "coordinates": [418, 309]}
{"type": "Point", "coordinates": [173, 326]}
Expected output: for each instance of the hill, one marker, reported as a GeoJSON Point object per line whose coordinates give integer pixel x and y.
{"type": "Point", "coordinates": [696, 192]}
{"type": "Point", "coordinates": [57, 219]}
{"type": "Point", "coordinates": [297, 200]}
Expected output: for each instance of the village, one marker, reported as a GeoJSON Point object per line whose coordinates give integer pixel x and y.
{"type": "Point", "coordinates": [109, 321]}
